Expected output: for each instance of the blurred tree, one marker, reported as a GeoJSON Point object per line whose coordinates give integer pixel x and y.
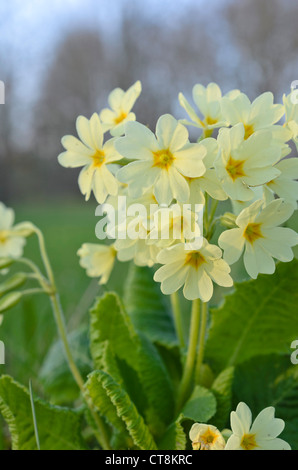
{"type": "Point", "coordinates": [265, 38]}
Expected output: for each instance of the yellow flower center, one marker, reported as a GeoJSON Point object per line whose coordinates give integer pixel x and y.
{"type": "Point", "coordinates": [248, 442]}
{"type": "Point", "coordinates": [249, 130]}
{"type": "Point", "coordinates": [195, 259]}
{"type": "Point", "coordinates": [210, 121]}
{"type": "Point", "coordinates": [120, 117]}
{"type": "Point", "coordinates": [163, 159]}
{"type": "Point", "coordinates": [252, 232]}
{"type": "Point", "coordinates": [98, 158]}
{"type": "Point", "coordinates": [3, 236]}
{"type": "Point", "coordinates": [205, 441]}
{"type": "Point", "coordinates": [235, 168]}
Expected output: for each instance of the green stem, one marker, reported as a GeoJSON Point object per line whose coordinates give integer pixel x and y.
{"type": "Point", "coordinates": [191, 355]}
{"type": "Point", "coordinates": [177, 318]}
{"type": "Point", "coordinates": [202, 340]}
{"type": "Point", "coordinates": [60, 322]}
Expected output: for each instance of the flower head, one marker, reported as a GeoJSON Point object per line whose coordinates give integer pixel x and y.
{"type": "Point", "coordinates": [206, 437]}
{"type": "Point", "coordinates": [195, 269]}
{"type": "Point", "coordinates": [94, 156]}
{"type": "Point", "coordinates": [208, 102]}
{"type": "Point", "coordinates": [98, 260]}
{"type": "Point", "coordinates": [261, 113]}
{"type": "Point", "coordinates": [121, 103]}
{"type": "Point", "coordinates": [258, 234]}
{"type": "Point", "coordinates": [259, 435]}
{"type": "Point", "coordinates": [11, 243]}
{"type": "Point", "coordinates": [164, 162]}
{"type": "Point", "coordinates": [245, 163]}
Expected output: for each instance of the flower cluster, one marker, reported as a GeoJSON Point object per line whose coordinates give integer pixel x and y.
{"type": "Point", "coordinates": [241, 156]}
{"type": "Point", "coordinates": [262, 434]}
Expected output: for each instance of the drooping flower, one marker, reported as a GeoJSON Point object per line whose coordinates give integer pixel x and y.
{"type": "Point", "coordinates": [259, 114]}
{"type": "Point", "coordinates": [285, 185]}
{"type": "Point", "coordinates": [11, 243]}
{"type": "Point", "coordinates": [291, 114]}
{"type": "Point", "coordinates": [243, 164]}
{"type": "Point", "coordinates": [208, 101]}
{"type": "Point", "coordinates": [164, 162]}
{"type": "Point", "coordinates": [94, 156]}
{"type": "Point", "coordinates": [260, 237]}
{"type": "Point", "coordinates": [262, 434]}
{"type": "Point", "coordinates": [98, 260]}
{"type": "Point", "coordinates": [195, 269]}
{"type": "Point", "coordinates": [121, 103]}
{"type": "Point", "coordinates": [206, 437]}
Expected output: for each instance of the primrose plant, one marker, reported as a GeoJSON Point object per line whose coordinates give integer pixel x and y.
{"type": "Point", "coordinates": [187, 216]}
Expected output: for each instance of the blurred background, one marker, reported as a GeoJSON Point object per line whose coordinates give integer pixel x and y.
{"type": "Point", "coordinates": [60, 59]}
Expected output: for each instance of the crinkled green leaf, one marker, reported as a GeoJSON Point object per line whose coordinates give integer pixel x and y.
{"type": "Point", "coordinates": [58, 428]}
{"type": "Point", "coordinates": [125, 409]}
{"type": "Point", "coordinates": [144, 374]}
{"type": "Point", "coordinates": [259, 318]}
{"type": "Point", "coordinates": [174, 437]}
{"type": "Point", "coordinates": [147, 308]}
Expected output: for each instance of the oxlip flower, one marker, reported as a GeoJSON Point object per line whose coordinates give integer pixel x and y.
{"type": "Point", "coordinates": [262, 434]}
{"type": "Point", "coordinates": [243, 164]}
{"type": "Point", "coordinates": [121, 103]}
{"type": "Point", "coordinates": [98, 260]}
{"type": "Point", "coordinates": [259, 114]}
{"type": "Point", "coordinates": [95, 156]}
{"type": "Point", "coordinates": [258, 234]}
{"type": "Point", "coordinates": [11, 243]}
{"type": "Point", "coordinates": [206, 437]}
{"type": "Point", "coordinates": [196, 270]}
{"type": "Point", "coordinates": [163, 161]}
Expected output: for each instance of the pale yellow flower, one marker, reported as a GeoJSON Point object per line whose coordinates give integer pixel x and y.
{"type": "Point", "coordinates": [98, 260]}
{"type": "Point", "coordinates": [94, 155]}
{"type": "Point", "coordinates": [258, 234]}
{"type": "Point", "coordinates": [163, 162]}
{"type": "Point", "coordinates": [259, 435]}
{"type": "Point", "coordinates": [196, 270]}
{"type": "Point", "coordinates": [206, 437]}
{"type": "Point", "coordinates": [11, 243]}
{"type": "Point", "coordinates": [243, 164]}
{"type": "Point", "coordinates": [121, 103]}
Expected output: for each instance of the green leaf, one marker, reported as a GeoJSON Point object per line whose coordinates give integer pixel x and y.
{"type": "Point", "coordinates": [260, 317]}
{"type": "Point", "coordinates": [142, 370]}
{"type": "Point", "coordinates": [269, 381]}
{"type": "Point", "coordinates": [222, 388]}
{"type": "Point", "coordinates": [147, 308]}
{"type": "Point", "coordinates": [174, 437]}
{"type": "Point", "coordinates": [55, 375]}
{"type": "Point", "coordinates": [58, 428]}
{"type": "Point", "coordinates": [125, 409]}
{"type": "Point", "coordinates": [201, 406]}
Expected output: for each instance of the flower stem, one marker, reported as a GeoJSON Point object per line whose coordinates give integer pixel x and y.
{"type": "Point", "coordinates": [191, 355]}
{"type": "Point", "coordinates": [202, 340]}
{"type": "Point", "coordinates": [102, 437]}
{"type": "Point", "coordinates": [177, 318]}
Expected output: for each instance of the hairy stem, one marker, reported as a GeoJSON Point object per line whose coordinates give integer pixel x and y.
{"type": "Point", "coordinates": [177, 318]}
{"type": "Point", "coordinates": [202, 340]}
